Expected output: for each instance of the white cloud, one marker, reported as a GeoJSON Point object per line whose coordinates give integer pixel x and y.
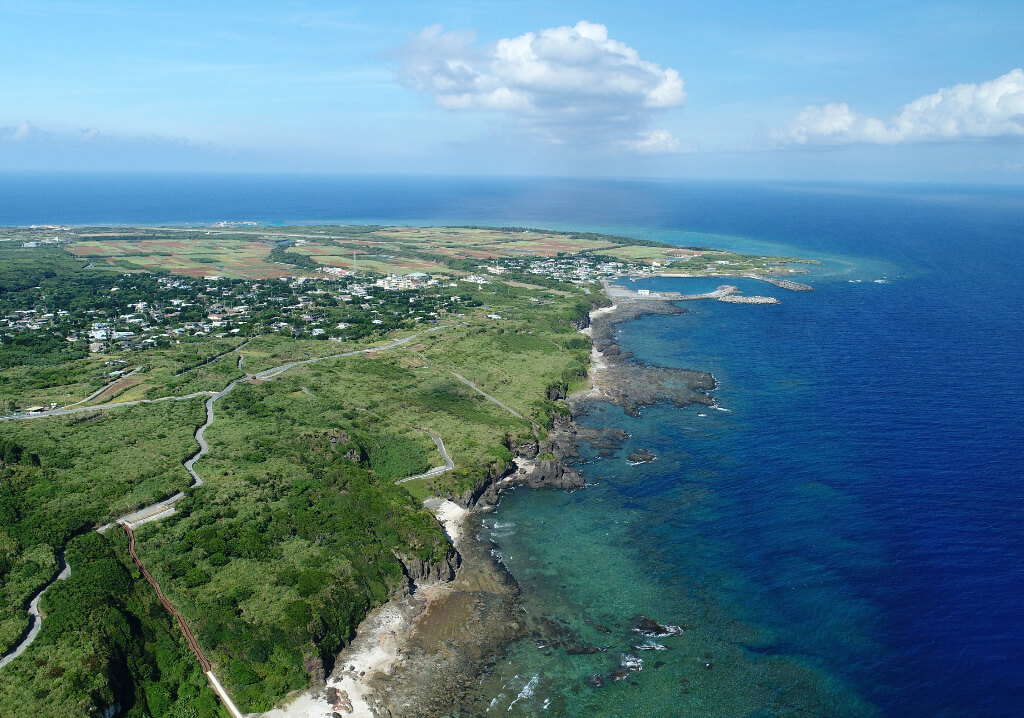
{"type": "Point", "coordinates": [572, 85]}
{"type": "Point", "coordinates": [27, 133]}
{"type": "Point", "coordinates": [23, 132]}
{"type": "Point", "coordinates": [652, 142]}
{"type": "Point", "coordinates": [993, 109]}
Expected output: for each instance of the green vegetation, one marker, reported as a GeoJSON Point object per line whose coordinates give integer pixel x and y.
{"type": "Point", "coordinates": [106, 641]}
{"type": "Point", "coordinates": [281, 255]}
{"type": "Point", "coordinates": [66, 475]}
{"type": "Point", "coordinates": [299, 528]}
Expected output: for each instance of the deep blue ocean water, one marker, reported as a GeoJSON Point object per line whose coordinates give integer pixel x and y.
{"type": "Point", "coordinates": [847, 537]}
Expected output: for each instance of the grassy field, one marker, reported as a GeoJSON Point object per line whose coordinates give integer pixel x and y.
{"type": "Point", "coordinates": [189, 257]}
{"type": "Point", "coordinates": [299, 529]}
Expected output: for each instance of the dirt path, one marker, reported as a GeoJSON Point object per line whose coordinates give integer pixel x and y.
{"type": "Point", "coordinates": [487, 396]}
{"type": "Point", "coordinates": [189, 636]}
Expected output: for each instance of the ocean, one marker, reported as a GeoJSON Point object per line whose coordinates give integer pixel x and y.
{"type": "Point", "coordinates": [845, 536]}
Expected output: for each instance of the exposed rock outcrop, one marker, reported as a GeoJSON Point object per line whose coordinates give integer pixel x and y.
{"type": "Point", "coordinates": [417, 570]}
{"type": "Point", "coordinates": [485, 491]}
{"type": "Point", "coordinates": [643, 456]}
{"type": "Point", "coordinates": [549, 474]}
{"type": "Point", "coordinates": [633, 385]}
{"type": "Point", "coordinates": [581, 323]}
{"type": "Point", "coordinates": [314, 668]}
{"type": "Point", "coordinates": [524, 448]}
{"type": "Point", "coordinates": [561, 441]}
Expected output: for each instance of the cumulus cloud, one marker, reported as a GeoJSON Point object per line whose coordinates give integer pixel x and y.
{"type": "Point", "coordinates": [993, 109]}
{"type": "Point", "coordinates": [573, 85]}
{"type": "Point", "coordinates": [650, 142]}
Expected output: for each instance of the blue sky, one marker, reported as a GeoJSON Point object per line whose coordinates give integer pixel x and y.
{"type": "Point", "coordinates": [866, 90]}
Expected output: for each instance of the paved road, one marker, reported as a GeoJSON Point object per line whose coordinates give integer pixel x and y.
{"type": "Point", "coordinates": [448, 463]}
{"type": "Point", "coordinates": [35, 620]}
{"type": "Point", "coordinates": [103, 388]}
{"type": "Point", "coordinates": [487, 396]}
{"type": "Point", "coordinates": [166, 506]}
{"type": "Point", "coordinates": [215, 357]}
{"type": "Point", "coordinates": [101, 407]}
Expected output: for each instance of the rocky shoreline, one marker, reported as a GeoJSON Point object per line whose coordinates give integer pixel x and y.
{"type": "Point", "coordinates": [619, 379]}
{"type": "Point", "coordinates": [423, 652]}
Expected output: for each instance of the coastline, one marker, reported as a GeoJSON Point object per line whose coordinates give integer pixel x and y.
{"type": "Point", "coordinates": [619, 379]}
{"type": "Point", "coordinates": [381, 643]}
{"type": "Point", "coordinates": [420, 652]}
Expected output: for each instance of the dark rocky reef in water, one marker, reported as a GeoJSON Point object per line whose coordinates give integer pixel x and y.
{"type": "Point", "coordinates": [653, 629]}
{"type": "Point", "coordinates": [461, 631]}
{"type": "Point", "coordinates": [605, 438]}
{"type": "Point", "coordinates": [643, 456]}
{"type": "Point", "coordinates": [631, 384]}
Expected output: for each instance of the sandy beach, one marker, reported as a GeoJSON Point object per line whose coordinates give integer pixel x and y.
{"type": "Point", "coordinates": [418, 654]}
{"type": "Point", "coordinates": [379, 642]}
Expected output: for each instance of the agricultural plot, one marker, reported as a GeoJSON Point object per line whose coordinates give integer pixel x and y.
{"type": "Point", "coordinates": [191, 257]}
{"type": "Point", "coordinates": [458, 242]}
{"type": "Point", "coordinates": [369, 256]}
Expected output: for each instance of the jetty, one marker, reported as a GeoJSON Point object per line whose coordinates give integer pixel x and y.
{"type": "Point", "coordinates": [783, 283]}
{"type": "Point", "coordinates": [724, 293]}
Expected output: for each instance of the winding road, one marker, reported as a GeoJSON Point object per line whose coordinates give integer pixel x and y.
{"type": "Point", "coordinates": [448, 463]}
{"type": "Point", "coordinates": [163, 508]}
{"type": "Point", "coordinates": [35, 619]}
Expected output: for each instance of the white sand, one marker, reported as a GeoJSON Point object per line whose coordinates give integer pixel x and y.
{"type": "Point", "coordinates": [373, 651]}
{"type": "Point", "coordinates": [450, 514]}
{"type": "Point", "coordinates": [597, 361]}
{"type": "Point", "coordinates": [377, 644]}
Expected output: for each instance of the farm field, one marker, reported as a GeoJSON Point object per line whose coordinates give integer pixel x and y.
{"type": "Point", "coordinates": [298, 529]}
{"type": "Point", "coordinates": [189, 257]}
{"type": "Point", "coordinates": [444, 251]}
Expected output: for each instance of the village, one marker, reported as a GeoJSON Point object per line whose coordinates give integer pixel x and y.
{"type": "Point", "coordinates": [136, 311]}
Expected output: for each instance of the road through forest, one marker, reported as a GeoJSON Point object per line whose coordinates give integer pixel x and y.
{"type": "Point", "coordinates": [165, 507]}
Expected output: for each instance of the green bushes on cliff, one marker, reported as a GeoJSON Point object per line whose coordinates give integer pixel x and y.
{"type": "Point", "coordinates": [106, 641]}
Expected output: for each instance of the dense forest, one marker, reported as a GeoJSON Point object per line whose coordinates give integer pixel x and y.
{"type": "Point", "coordinates": [300, 528]}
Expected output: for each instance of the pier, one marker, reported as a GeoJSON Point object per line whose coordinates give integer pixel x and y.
{"type": "Point", "coordinates": [725, 293]}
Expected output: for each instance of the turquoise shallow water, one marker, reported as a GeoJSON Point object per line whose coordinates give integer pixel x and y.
{"type": "Point", "coordinates": [836, 518]}
{"type": "Point", "coordinates": [848, 538]}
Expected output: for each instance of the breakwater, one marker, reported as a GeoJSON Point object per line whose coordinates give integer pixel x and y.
{"type": "Point", "coordinates": [783, 283]}
{"type": "Point", "coordinates": [724, 293]}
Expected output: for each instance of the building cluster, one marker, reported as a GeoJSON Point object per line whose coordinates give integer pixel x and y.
{"type": "Point", "coordinates": [141, 311]}
{"type": "Point", "coordinates": [578, 269]}
{"type": "Point", "coordinates": [397, 282]}
{"type": "Point", "coordinates": [48, 241]}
